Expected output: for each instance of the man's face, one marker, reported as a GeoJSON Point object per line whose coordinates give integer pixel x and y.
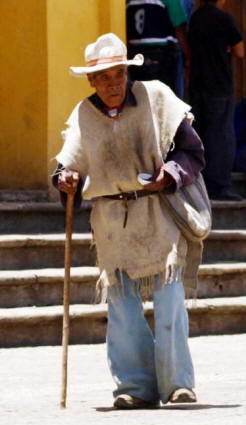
{"type": "Point", "coordinates": [110, 85]}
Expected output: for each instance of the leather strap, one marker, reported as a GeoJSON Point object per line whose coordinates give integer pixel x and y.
{"type": "Point", "coordinates": [129, 196]}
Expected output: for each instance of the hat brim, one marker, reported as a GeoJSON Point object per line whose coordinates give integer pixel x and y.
{"type": "Point", "coordinates": [82, 71]}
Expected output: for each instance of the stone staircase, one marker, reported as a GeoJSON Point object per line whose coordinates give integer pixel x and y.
{"type": "Point", "coordinates": [31, 274]}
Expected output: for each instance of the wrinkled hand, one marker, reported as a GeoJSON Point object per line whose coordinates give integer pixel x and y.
{"type": "Point", "coordinates": [157, 181]}
{"type": "Point", "coordinates": [68, 181]}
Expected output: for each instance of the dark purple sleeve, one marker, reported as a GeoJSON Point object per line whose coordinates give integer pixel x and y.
{"type": "Point", "coordinates": [186, 160]}
{"type": "Point", "coordinates": [63, 195]}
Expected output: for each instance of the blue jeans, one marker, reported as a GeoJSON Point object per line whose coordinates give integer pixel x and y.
{"type": "Point", "coordinates": [144, 366]}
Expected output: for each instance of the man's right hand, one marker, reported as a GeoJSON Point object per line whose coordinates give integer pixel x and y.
{"type": "Point", "coordinates": [68, 181]}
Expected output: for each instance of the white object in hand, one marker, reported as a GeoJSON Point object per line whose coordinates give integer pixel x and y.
{"type": "Point", "coordinates": [144, 178]}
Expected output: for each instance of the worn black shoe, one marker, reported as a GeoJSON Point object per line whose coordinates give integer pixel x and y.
{"type": "Point", "coordinates": [126, 401]}
{"type": "Point", "coordinates": [183, 395]}
{"type": "Point", "coordinates": [226, 195]}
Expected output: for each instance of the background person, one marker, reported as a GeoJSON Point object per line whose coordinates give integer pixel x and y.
{"type": "Point", "coordinates": [183, 64]}
{"type": "Point", "coordinates": [188, 7]}
{"type": "Point", "coordinates": [157, 29]}
{"type": "Point", "coordinates": [214, 38]}
{"type": "Point", "coordinates": [240, 130]}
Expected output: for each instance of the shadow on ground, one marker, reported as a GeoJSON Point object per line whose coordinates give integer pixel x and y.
{"type": "Point", "coordinates": [179, 407]}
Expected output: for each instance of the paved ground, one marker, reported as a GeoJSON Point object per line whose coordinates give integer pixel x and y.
{"type": "Point", "coordinates": [30, 381]}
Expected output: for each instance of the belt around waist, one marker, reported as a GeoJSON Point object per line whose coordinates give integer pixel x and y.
{"type": "Point", "coordinates": [129, 196]}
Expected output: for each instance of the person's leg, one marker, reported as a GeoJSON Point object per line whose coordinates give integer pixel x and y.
{"type": "Point", "coordinates": [219, 142]}
{"type": "Point", "coordinates": [130, 343]}
{"type": "Point", "coordinates": [174, 366]}
{"type": "Point", "coordinates": [195, 100]}
{"type": "Point", "coordinates": [169, 66]}
{"type": "Point", "coordinates": [179, 83]}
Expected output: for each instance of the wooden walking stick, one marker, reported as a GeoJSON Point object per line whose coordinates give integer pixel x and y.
{"type": "Point", "coordinates": [66, 296]}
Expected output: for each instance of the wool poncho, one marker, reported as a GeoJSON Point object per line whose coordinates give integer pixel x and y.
{"type": "Point", "coordinates": [109, 155]}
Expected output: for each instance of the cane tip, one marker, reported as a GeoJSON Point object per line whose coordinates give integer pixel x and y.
{"type": "Point", "coordinates": [63, 405]}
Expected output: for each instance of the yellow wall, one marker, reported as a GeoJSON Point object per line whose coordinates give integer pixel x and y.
{"type": "Point", "coordinates": [39, 40]}
{"type": "Point", "coordinates": [23, 94]}
{"type": "Point", "coordinates": [112, 17]}
{"type": "Point", "coordinates": [71, 25]}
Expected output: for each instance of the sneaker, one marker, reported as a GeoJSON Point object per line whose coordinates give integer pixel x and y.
{"type": "Point", "coordinates": [183, 395]}
{"type": "Point", "coordinates": [126, 401]}
{"type": "Point", "coordinates": [226, 195]}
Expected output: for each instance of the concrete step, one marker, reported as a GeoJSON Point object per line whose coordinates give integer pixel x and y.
{"type": "Point", "coordinates": [239, 183]}
{"type": "Point", "coordinates": [43, 325]}
{"type": "Point", "coordinates": [24, 195]}
{"type": "Point", "coordinates": [225, 245]}
{"type": "Point", "coordinates": [43, 287]}
{"type": "Point", "coordinates": [49, 217]}
{"type": "Point", "coordinates": [18, 252]}
{"type": "Point", "coordinates": [222, 280]}
{"type": "Point", "coordinates": [40, 217]}
{"type": "Point", "coordinates": [229, 215]}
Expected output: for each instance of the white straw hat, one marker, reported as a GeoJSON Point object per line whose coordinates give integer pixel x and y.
{"type": "Point", "coordinates": [106, 52]}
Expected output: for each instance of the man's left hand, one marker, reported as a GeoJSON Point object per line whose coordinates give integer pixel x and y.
{"type": "Point", "coordinates": [159, 180]}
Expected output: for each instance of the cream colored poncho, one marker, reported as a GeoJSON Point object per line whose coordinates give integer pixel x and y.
{"type": "Point", "coordinates": [109, 155]}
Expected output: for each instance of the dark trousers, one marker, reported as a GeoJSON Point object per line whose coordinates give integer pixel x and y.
{"type": "Point", "coordinates": [214, 124]}
{"type": "Point", "coordinates": [160, 63]}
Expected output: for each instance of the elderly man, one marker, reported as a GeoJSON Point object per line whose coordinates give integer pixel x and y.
{"type": "Point", "coordinates": [123, 146]}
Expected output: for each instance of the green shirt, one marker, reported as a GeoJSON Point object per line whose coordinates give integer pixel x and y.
{"type": "Point", "coordinates": [176, 12]}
